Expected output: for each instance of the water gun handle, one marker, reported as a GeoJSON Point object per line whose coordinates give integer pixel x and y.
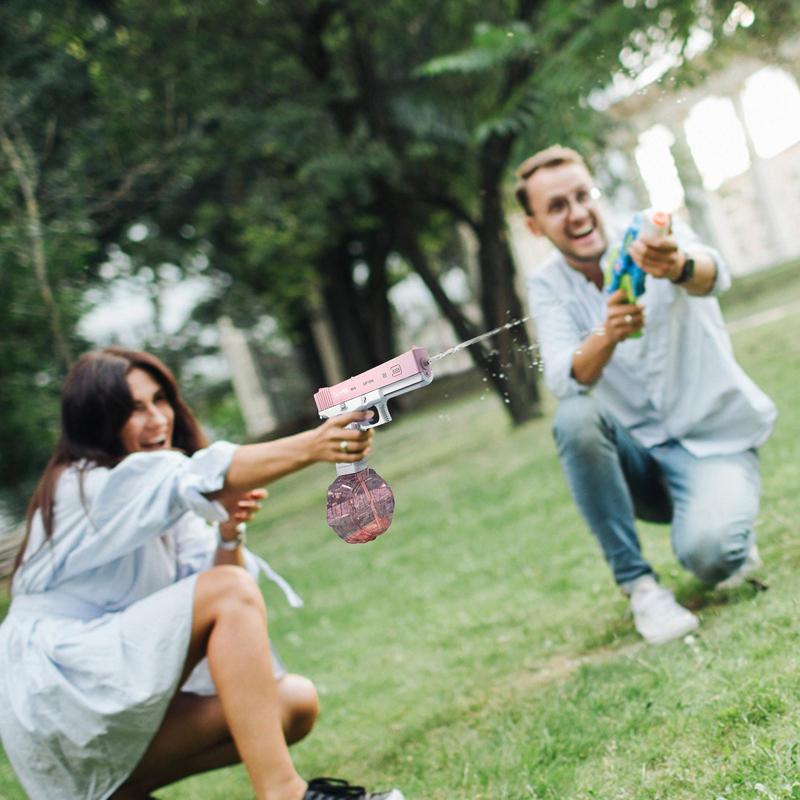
{"type": "Point", "coordinates": [350, 467]}
{"type": "Point", "coordinates": [625, 273]}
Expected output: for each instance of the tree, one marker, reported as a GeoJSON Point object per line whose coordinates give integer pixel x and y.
{"type": "Point", "coordinates": [295, 145]}
{"type": "Point", "coordinates": [42, 237]}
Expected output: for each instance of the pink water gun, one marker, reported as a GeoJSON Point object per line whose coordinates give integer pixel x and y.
{"type": "Point", "coordinates": [375, 387]}
{"type": "Point", "coordinates": [360, 503]}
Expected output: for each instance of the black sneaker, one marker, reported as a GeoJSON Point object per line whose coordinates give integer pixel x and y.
{"type": "Point", "coordinates": [332, 788]}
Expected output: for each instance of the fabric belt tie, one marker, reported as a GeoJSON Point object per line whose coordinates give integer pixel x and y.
{"type": "Point", "coordinates": [59, 604]}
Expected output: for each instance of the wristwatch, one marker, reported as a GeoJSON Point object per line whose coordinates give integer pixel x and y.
{"type": "Point", "coordinates": [687, 272]}
{"type": "Point", "coordinates": [237, 541]}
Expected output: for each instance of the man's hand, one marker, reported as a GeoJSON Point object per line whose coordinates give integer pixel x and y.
{"type": "Point", "coordinates": [658, 256]}
{"type": "Point", "coordinates": [622, 318]}
{"type": "Point", "coordinates": [662, 258]}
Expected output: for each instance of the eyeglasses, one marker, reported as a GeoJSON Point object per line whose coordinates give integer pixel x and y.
{"type": "Point", "coordinates": [561, 204]}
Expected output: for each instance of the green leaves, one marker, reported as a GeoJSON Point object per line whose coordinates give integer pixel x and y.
{"type": "Point", "coordinates": [492, 46]}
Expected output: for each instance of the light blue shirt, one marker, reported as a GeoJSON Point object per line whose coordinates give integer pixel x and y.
{"type": "Point", "coordinates": [95, 641]}
{"type": "Point", "coordinates": [678, 381]}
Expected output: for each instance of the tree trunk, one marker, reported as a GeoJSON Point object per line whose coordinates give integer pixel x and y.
{"type": "Point", "coordinates": [509, 369]}
{"type": "Point", "coordinates": [378, 307]}
{"type": "Point", "coordinates": [346, 312]}
{"type": "Point", "coordinates": [488, 361]}
{"type": "Point", "coordinates": [499, 298]}
{"type": "Point", "coordinates": [309, 352]}
{"type": "Point", "coordinates": [27, 185]}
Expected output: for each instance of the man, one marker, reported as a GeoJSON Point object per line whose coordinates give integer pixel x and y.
{"type": "Point", "coordinates": [661, 426]}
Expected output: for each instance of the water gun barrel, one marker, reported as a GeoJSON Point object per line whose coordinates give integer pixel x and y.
{"type": "Point", "coordinates": [371, 390]}
{"type": "Point", "coordinates": [656, 223]}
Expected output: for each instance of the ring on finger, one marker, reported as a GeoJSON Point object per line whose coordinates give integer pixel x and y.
{"type": "Point", "coordinates": [628, 319]}
{"type": "Point", "coordinates": [343, 446]}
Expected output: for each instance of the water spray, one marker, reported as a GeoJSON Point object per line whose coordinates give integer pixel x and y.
{"type": "Point", "coordinates": [360, 504]}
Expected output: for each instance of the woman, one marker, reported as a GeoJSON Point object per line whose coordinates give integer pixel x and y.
{"type": "Point", "coordinates": [122, 591]}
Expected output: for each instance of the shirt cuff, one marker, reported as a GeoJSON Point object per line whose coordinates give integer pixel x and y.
{"type": "Point", "coordinates": [559, 379]}
{"type": "Point", "coordinates": [206, 471]}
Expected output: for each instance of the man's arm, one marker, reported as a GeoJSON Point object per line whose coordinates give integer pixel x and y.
{"type": "Point", "coordinates": [622, 319]}
{"type": "Point", "coordinates": [663, 258]}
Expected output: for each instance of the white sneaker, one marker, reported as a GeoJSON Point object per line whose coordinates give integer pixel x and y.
{"type": "Point", "coordinates": [751, 563]}
{"type": "Point", "coordinates": [657, 615]}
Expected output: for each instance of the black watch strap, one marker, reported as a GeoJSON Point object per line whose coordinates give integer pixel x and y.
{"type": "Point", "coordinates": [687, 273]}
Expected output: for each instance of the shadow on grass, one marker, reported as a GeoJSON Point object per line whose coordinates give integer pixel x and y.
{"type": "Point", "coordinates": [697, 596]}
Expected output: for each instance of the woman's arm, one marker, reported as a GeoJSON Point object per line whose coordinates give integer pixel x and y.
{"type": "Point", "coordinates": [254, 465]}
{"type": "Point", "coordinates": [147, 493]}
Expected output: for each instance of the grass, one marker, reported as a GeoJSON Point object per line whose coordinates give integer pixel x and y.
{"type": "Point", "coordinates": [763, 290]}
{"type": "Point", "coordinates": [479, 651]}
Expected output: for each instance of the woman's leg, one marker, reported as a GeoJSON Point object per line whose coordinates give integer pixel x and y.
{"type": "Point", "coordinates": [195, 738]}
{"type": "Point", "coordinates": [229, 627]}
{"type": "Point", "coordinates": [299, 706]}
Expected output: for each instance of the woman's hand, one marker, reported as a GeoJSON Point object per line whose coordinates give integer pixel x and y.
{"type": "Point", "coordinates": [334, 441]}
{"type": "Point", "coordinates": [257, 464]}
{"type": "Point", "coordinates": [241, 510]}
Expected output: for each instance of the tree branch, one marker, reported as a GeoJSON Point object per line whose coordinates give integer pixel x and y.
{"type": "Point", "coordinates": [447, 204]}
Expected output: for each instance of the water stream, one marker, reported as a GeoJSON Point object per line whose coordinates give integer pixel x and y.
{"type": "Point", "coordinates": [475, 339]}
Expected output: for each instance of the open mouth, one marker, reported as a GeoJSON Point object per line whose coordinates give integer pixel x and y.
{"type": "Point", "coordinates": [583, 233]}
{"type": "Point", "coordinates": [155, 444]}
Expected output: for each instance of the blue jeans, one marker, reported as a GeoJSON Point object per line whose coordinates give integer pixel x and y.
{"type": "Point", "coordinates": [712, 502]}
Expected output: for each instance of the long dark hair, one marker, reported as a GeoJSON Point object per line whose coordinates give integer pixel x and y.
{"type": "Point", "coordinates": [96, 402]}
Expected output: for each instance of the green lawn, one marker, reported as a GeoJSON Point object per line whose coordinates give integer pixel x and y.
{"type": "Point", "coordinates": [763, 290]}
{"type": "Point", "coordinates": [480, 650]}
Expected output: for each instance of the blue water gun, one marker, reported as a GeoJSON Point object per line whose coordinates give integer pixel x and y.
{"type": "Point", "coordinates": [622, 271]}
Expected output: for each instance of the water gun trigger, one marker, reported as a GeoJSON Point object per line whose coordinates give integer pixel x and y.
{"type": "Point", "coordinates": [380, 416]}
{"type": "Point", "coordinates": [626, 284]}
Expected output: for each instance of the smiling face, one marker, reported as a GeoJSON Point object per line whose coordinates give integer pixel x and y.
{"type": "Point", "coordinates": [563, 200]}
{"type": "Point", "coordinates": [151, 422]}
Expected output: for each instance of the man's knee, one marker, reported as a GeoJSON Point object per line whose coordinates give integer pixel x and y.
{"type": "Point", "coordinates": [578, 424]}
{"type": "Point", "coordinates": [712, 552]}
{"type": "Point", "coordinates": [714, 535]}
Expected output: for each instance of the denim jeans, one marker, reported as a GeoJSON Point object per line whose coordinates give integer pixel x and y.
{"type": "Point", "coordinates": [712, 502]}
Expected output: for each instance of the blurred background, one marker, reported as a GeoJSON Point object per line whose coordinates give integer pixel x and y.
{"type": "Point", "coordinates": [273, 195]}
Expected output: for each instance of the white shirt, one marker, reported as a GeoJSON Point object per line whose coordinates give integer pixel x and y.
{"type": "Point", "coordinates": [679, 381]}
{"type": "Point", "coordinates": [93, 647]}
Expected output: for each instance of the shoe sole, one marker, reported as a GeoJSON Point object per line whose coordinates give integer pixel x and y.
{"type": "Point", "coordinates": [690, 626]}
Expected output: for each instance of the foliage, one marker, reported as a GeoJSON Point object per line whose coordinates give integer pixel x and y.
{"type": "Point", "coordinates": [37, 105]}
{"type": "Point", "coordinates": [281, 149]}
